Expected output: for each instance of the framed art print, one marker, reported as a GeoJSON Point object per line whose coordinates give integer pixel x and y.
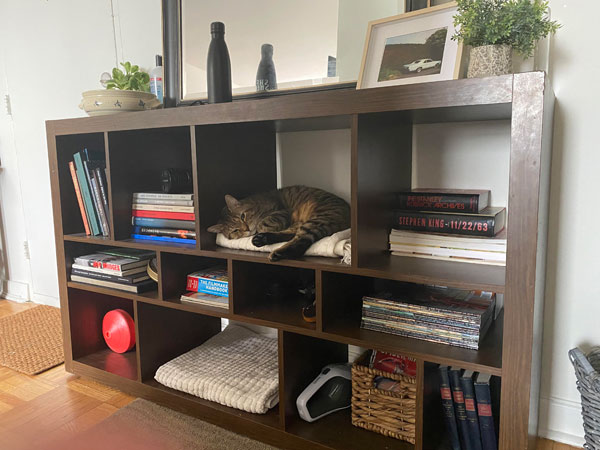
{"type": "Point", "coordinates": [415, 47]}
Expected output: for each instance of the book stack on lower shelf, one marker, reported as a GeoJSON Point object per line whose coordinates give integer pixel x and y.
{"type": "Point", "coordinates": [467, 407]}
{"type": "Point", "coordinates": [452, 225]}
{"type": "Point", "coordinates": [162, 217]}
{"type": "Point", "coordinates": [436, 314]}
{"type": "Point", "coordinates": [124, 269]}
{"type": "Point", "coordinates": [208, 287]}
{"type": "Point", "coordinates": [89, 181]}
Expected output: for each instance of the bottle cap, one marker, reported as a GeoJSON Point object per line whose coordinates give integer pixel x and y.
{"type": "Point", "coordinates": [158, 61]}
{"type": "Point", "coordinates": [217, 27]}
{"type": "Point", "coordinates": [266, 50]}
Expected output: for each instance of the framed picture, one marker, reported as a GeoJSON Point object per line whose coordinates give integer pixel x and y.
{"type": "Point", "coordinates": [415, 47]}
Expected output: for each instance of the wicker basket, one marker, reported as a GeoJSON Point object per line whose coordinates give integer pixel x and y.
{"type": "Point", "coordinates": [587, 370]}
{"type": "Point", "coordinates": [390, 413]}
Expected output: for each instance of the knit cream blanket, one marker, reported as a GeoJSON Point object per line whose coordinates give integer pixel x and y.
{"type": "Point", "coordinates": [236, 368]}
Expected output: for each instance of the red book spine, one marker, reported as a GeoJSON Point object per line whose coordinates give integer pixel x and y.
{"type": "Point", "coordinates": [163, 214]}
{"type": "Point", "coordinates": [79, 198]}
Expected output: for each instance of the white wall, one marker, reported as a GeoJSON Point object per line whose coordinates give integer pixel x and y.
{"type": "Point", "coordinates": [48, 56]}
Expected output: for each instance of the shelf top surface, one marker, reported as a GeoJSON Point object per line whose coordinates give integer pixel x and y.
{"type": "Point", "coordinates": [465, 99]}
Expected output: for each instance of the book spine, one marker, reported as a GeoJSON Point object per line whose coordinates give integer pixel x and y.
{"type": "Point", "coordinates": [100, 206]}
{"type": "Point", "coordinates": [182, 234]}
{"type": "Point", "coordinates": [163, 215]}
{"type": "Point", "coordinates": [208, 286]}
{"type": "Point", "coordinates": [158, 201]}
{"type": "Point", "coordinates": [163, 239]}
{"type": "Point", "coordinates": [467, 203]}
{"type": "Point", "coordinates": [486, 419]}
{"type": "Point", "coordinates": [444, 223]}
{"type": "Point", "coordinates": [459, 408]}
{"type": "Point", "coordinates": [168, 208]}
{"type": "Point", "coordinates": [79, 199]}
{"type": "Point", "coordinates": [471, 410]}
{"type": "Point", "coordinates": [448, 407]}
{"type": "Point", "coordinates": [159, 195]}
{"type": "Point", "coordinates": [87, 197]}
{"type": "Point", "coordinates": [107, 277]}
{"type": "Point", "coordinates": [163, 223]}
{"type": "Point", "coordinates": [95, 204]}
{"type": "Point", "coordinates": [101, 177]}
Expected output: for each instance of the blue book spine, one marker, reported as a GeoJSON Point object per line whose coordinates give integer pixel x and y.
{"type": "Point", "coordinates": [466, 382]}
{"type": "Point", "coordinates": [448, 407]}
{"type": "Point", "coordinates": [459, 407]}
{"type": "Point", "coordinates": [152, 222]}
{"type": "Point", "coordinates": [484, 410]}
{"type": "Point", "coordinates": [87, 195]}
{"type": "Point", "coordinates": [164, 239]}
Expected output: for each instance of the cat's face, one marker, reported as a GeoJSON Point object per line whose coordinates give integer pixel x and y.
{"type": "Point", "coordinates": [238, 219]}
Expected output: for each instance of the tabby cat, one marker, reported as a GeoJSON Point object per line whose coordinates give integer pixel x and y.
{"type": "Point", "coordinates": [298, 215]}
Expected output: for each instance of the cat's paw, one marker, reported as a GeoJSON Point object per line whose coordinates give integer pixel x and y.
{"type": "Point", "coordinates": [260, 240]}
{"type": "Point", "coordinates": [276, 256]}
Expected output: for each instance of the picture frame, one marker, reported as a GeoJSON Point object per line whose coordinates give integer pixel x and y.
{"type": "Point", "coordinates": [414, 47]}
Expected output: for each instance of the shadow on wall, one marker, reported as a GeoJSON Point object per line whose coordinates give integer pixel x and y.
{"type": "Point", "coordinates": [4, 273]}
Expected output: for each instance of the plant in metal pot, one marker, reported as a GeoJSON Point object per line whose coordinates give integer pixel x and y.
{"type": "Point", "coordinates": [127, 90]}
{"type": "Point", "coordinates": [494, 28]}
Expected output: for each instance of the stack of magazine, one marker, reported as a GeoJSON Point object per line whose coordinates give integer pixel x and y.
{"type": "Point", "coordinates": [432, 313]}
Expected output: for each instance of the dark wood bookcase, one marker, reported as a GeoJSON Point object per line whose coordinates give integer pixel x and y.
{"type": "Point", "coordinates": [231, 148]}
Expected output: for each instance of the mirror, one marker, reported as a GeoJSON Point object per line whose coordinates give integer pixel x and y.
{"type": "Point", "coordinates": [317, 43]}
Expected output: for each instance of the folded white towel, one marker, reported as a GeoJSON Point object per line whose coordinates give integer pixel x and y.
{"type": "Point", "coordinates": [335, 246]}
{"type": "Point", "coordinates": [236, 368]}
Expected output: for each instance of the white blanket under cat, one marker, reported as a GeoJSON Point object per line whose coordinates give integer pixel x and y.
{"type": "Point", "coordinates": [335, 246]}
{"type": "Point", "coordinates": [236, 368]}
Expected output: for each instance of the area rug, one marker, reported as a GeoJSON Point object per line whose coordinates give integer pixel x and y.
{"type": "Point", "coordinates": [31, 341]}
{"type": "Point", "coordinates": [144, 425]}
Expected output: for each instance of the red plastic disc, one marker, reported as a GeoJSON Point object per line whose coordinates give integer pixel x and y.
{"type": "Point", "coordinates": [118, 330]}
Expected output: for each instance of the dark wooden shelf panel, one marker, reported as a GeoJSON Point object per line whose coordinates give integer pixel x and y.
{"type": "Point", "coordinates": [488, 358]}
{"type": "Point", "coordinates": [430, 271]}
{"type": "Point", "coordinates": [82, 237]}
{"type": "Point", "coordinates": [270, 419]}
{"type": "Point", "coordinates": [336, 431]}
{"type": "Point", "coordinates": [122, 364]}
{"type": "Point", "coordinates": [149, 296]}
{"type": "Point", "coordinates": [478, 97]}
{"type": "Point", "coordinates": [276, 316]}
{"type": "Point", "coordinates": [198, 309]}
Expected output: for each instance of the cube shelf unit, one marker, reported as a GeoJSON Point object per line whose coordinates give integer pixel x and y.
{"type": "Point", "coordinates": [231, 148]}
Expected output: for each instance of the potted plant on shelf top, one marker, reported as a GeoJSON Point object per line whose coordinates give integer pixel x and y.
{"type": "Point", "coordinates": [125, 91]}
{"type": "Point", "coordinates": [494, 28]}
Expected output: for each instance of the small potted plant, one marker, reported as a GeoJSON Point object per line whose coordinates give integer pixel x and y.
{"type": "Point", "coordinates": [125, 91]}
{"type": "Point", "coordinates": [494, 28]}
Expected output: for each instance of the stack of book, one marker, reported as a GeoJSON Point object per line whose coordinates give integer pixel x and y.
{"type": "Point", "coordinates": [453, 225]}
{"type": "Point", "coordinates": [467, 406]}
{"type": "Point", "coordinates": [432, 313]}
{"type": "Point", "coordinates": [164, 217]}
{"type": "Point", "coordinates": [89, 180]}
{"type": "Point", "coordinates": [124, 269]}
{"type": "Point", "coordinates": [208, 287]}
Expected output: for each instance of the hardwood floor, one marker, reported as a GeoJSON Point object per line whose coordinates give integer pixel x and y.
{"type": "Point", "coordinates": [55, 404]}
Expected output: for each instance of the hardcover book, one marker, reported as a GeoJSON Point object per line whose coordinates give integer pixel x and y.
{"type": "Point", "coordinates": [87, 195]}
{"type": "Point", "coordinates": [182, 234]}
{"type": "Point", "coordinates": [448, 407]}
{"type": "Point", "coordinates": [163, 214]}
{"type": "Point", "coordinates": [163, 223]}
{"type": "Point", "coordinates": [118, 273]}
{"type": "Point", "coordinates": [174, 240]}
{"type": "Point", "coordinates": [157, 201]}
{"type": "Point", "coordinates": [79, 197]}
{"type": "Point", "coordinates": [162, 196]}
{"type": "Point", "coordinates": [484, 411]}
{"type": "Point", "coordinates": [144, 286]}
{"type": "Point", "coordinates": [459, 406]}
{"type": "Point", "coordinates": [168, 208]}
{"type": "Point", "coordinates": [132, 279]}
{"type": "Point", "coordinates": [487, 223]}
{"type": "Point", "coordinates": [103, 261]}
{"type": "Point", "coordinates": [466, 382]}
{"type": "Point", "coordinates": [445, 200]}
{"type": "Point", "coordinates": [214, 280]}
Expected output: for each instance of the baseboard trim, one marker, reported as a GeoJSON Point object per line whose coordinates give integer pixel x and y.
{"type": "Point", "coordinates": [561, 421]}
{"type": "Point", "coordinates": [15, 291]}
{"type": "Point", "coordinates": [45, 300]}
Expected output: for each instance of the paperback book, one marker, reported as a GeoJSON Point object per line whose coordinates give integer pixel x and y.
{"type": "Point", "coordinates": [201, 298]}
{"type": "Point", "coordinates": [213, 280]}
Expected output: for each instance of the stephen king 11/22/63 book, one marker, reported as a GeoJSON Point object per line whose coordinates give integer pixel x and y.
{"type": "Point", "coordinates": [488, 222]}
{"type": "Point", "coordinates": [444, 200]}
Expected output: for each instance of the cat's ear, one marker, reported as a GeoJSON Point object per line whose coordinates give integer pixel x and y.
{"type": "Point", "coordinates": [232, 203]}
{"type": "Point", "coordinates": [218, 228]}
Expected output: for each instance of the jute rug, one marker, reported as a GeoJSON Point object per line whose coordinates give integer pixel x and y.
{"type": "Point", "coordinates": [143, 425]}
{"type": "Point", "coordinates": [31, 341]}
